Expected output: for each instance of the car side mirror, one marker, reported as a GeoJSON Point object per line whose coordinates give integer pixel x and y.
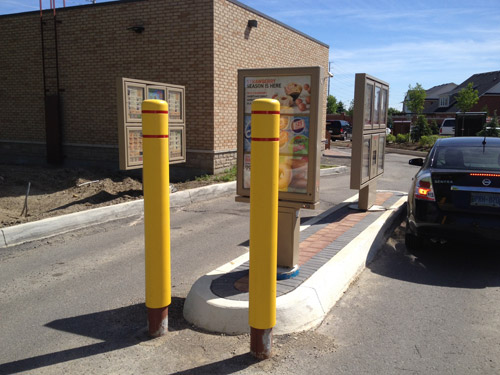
{"type": "Point", "coordinates": [418, 162]}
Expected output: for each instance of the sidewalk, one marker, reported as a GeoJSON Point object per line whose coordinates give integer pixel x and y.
{"type": "Point", "coordinates": [334, 248]}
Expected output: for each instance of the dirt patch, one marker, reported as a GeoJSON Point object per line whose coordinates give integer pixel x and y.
{"type": "Point", "coordinates": [59, 191]}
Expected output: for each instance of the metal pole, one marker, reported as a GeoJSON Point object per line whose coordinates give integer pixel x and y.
{"type": "Point", "coordinates": [263, 225]}
{"type": "Point", "coordinates": [329, 77]}
{"type": "Point", "coordinates": [156, 214]}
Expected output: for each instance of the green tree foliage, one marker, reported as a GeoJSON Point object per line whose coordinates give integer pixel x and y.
{"type": "Point", "coordinates": [394, 112]}
{"type": "Point", "coordinates": [434, 127]}
{"type": "Point", "coordinates": [331, 104]}
{"type": "Point", "coordinates": [490, 129]}
{"type": "Point", "coordinates": [340, 107]}
{"type": "Point", "coordinates": [415, 98]}
{"type": "Point", "coordinates": [350, 110]}
{"type": "Point", "coordinates": [420, 129]}
{"type": "Point", "coordinates": [467, 98]}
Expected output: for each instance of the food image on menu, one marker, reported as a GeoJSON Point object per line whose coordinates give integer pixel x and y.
{"type": "Point", "coordinates": [299, 145]}
{"type": "Point", "coordinates": [298, 181]}
{"type": "Point", "coordinates": [283, 138]}
{"type": "Point", "coordinates": [286, 100]}
{"type": "Point", "coordinates": [293, 173]}
{"type": "Point", "coordinates": [284, 122]}
{"type": "Point", "coordinates": [293, 89]}
{"type": "Point", "coordinates": [285, 173]}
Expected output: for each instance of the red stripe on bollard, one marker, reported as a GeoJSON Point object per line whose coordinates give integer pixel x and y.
{"type": "Point", "coordinates": [154, 136]}
{"type": "Point", "coordinates": [265, 139]}
{"type": "Point", "coordinates": [154, 112]}
{"type": "Point", "coordinates": [265, 112]}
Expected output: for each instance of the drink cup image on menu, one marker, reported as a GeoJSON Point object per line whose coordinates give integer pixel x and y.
{"type": "Point", "coordinates": [247, 134]}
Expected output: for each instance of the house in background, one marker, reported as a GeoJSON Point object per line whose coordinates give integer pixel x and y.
{"type": "Point", "coordinates": [441, 100]}
{"type": "Point", "coordinates": [488, 87]}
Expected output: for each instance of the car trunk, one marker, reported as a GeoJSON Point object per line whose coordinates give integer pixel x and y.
{"type": "Point", "coordinates": [465, 191]}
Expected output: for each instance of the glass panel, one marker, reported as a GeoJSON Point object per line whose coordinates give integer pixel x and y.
{"type": "Point", "coordinates": [175, 143]}
{"type": "Point", "coordinates": [383, 107]}
{"type": "Point", "coordinates": [156, 93]}
{"type": "Point", "coordinates": [376, 110]}
{"type": "Point", "coordinates": [381, 149]}
{"type": "Point", "coordinates": [135, 97]}
{"type": "Point", "coordinates": [365, 167]}
{"type": "Point", "coordinates": [174, 105]}
{"type": "Point", "coordinates": [368, 103]}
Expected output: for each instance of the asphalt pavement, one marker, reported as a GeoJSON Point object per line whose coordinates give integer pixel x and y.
{"type": "Point", "coordinates": [334, 248]}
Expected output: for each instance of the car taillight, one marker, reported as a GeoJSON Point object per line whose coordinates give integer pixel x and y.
{"type": "Point", "coordinates": [485, 174]}
{"type": "Point", "coordinates": [423, 188]}
{"type": "Point", "coordinates": [341, 130]}
{"type": "Point", "coordinates": [440, 130]}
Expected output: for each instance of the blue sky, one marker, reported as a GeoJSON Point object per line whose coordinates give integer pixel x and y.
{"type": "Point", "coordinates": [401, 42]}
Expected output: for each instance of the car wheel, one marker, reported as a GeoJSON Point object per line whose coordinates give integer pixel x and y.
{"type": "Point", "coordinates": [413, 242]}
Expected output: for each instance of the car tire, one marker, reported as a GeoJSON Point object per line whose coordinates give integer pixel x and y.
{"type": "Point", "coordinates": [413, 242]}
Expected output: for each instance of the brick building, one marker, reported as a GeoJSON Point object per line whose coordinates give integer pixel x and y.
{"type": "Point", "coordinates": [199, 44]}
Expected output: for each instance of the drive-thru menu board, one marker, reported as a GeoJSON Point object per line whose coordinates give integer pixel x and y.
{"type": "Point", "coordinates": [131, 94]}
{"type": "Point", "coordinates": [371, 99]}
{"type": "Point", "coordinates": [298, 90]}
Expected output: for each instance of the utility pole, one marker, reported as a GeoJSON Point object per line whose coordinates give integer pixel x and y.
{"type": "Point", "coordinates": [329, 76]}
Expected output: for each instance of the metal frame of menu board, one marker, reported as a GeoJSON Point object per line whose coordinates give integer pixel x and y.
{"type": "Point", "coordinates": [131, 93]}
{"type": "Point", "coordinates": [300, 92]}
{"type": "Point", "coordinates": [371, 99]}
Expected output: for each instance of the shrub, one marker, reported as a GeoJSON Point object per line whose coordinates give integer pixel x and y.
{"type": "Point", "coordinates": [421, 128]}
{"type": "Point", "coordinates": [434, 127]}
{"type": "Point", "coordinates": [403, 138]}
{"type": "Point", "coordinates": [428, 140]}
{"type": "Point", "coordinates": [490, 129]}
{"type": "Point", "coordinates": [390, 138]}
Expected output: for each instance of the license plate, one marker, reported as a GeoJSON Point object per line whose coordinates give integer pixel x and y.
{"type": "Point", "coordinates": [485, 199]}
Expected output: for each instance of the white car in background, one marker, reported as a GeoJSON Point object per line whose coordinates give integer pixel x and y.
{"type": "Point", "coordinates": [447, 127]}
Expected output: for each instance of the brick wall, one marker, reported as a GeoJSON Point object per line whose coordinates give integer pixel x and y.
{"type": "Point", "coordinates": [176, 47]}
{"type": "Point", "coordinates": [236, 47]}
{"type": "Point", "coordinates": [21, 91]}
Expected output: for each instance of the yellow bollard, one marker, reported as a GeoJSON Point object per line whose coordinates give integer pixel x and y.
{"type": "Point", "coordinates": [263, 225]}
{"type": "Point", "coordinates": [156, 213]}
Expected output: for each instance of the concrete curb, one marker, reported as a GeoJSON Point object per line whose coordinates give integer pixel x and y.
{"type": "Point", "coordinates": [37, 230]}
{"type": "Point", "coordinates": [334, 170]}
{"type": "Point", "coordinates": [389, 150]}
{"type": "Point", "coordinates": [306, 306]}
{"type": "Point", "coordinates": [45, 228]}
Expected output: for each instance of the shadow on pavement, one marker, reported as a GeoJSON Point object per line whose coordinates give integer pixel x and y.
{"type": "Point", "coordinates": [101, 197]}
{"type": "Point", "coordinates": [227, 366]}
{"type": "Point", "coordinates": [453, 265]}
{"type": "Point", "coordinates": [117, 329]}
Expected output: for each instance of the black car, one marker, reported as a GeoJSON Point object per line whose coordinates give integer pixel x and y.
{"type": "Point", "coordinates": [339, 129]}
{"type": "Point", "coordinates": [456, 193]}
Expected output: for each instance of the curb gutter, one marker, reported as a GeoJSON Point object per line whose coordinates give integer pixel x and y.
{"type": "Point", "coordinates": [307, 305]}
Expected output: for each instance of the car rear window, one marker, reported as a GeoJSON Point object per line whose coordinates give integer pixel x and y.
{"type": "Point", "coordinates": [467, 157]}
{"type": "Point", "coordinates": [448, 124]}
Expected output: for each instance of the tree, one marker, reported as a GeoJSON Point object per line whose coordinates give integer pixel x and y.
{"type": "Point", "coordinates": [421, 128]}
{"type": "Point", "coordinates": [394, 112]}
{"type": "Point", "coordinates": [350, 110]}
{"type": "Point", "coordinates": [331, 104]}
{"type": "Point", "coordinates": [467, 98]}
{"type": "Point", "coordinates": [490, 129]}
{"type": "Point", "coordinates": [415, 98]}
{"type": "Point", "coordinates": [340, 107]}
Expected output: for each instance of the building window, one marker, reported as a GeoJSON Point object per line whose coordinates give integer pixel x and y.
{"type": "Point", "coordinates": [444, 101]}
